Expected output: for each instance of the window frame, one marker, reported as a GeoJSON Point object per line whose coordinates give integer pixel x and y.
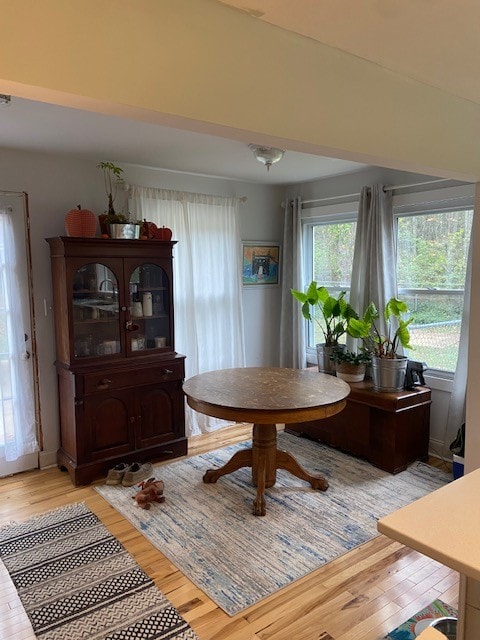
{"type": "Point", "coordinates": [330, 215]}
{"type": "Point", "coordinates": [406, 204]}
{"type": "Point", "coordinates": [402, 291]}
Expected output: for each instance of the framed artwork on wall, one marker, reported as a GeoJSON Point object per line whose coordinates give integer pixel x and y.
{"type": "Point", "coordinates": [261, 263]}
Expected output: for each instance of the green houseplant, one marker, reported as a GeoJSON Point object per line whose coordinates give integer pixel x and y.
{"type": "Point", "coordinates": [114, 224]}
{"type": "Point", "coordinates": [112, 174]}
{"type": "Point", "coordinates": [351, 366]}
{"type": "Point", "coordinates": [332, 315]}
{"type": "Point", "coordinates": [388, 365]}
{"type": "Point", "coordinates": [386, 345]}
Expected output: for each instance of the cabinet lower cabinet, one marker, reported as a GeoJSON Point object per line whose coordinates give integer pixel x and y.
{"type": "Point", "coordinates": [108, 417]}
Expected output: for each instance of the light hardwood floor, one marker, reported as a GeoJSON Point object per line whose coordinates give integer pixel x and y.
{"type": "Point", "coordinates": [360, 596]}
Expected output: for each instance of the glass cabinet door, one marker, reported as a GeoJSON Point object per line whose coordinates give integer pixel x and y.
{"type": "Point", "coordinates": [149, 309]}
{"type": "Point", "coordinates": [96, 326]}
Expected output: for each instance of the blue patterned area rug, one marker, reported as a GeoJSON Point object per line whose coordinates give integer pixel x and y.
{"type": "Point", "coordinates": [76, 581]}
{"type": "Point", "coordinates": [208, 530]}
{"type": "Point", "coordinates": [414, 626]}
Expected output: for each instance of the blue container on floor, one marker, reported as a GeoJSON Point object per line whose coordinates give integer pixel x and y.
{"type": "Point", "coordinates": [458, 465]}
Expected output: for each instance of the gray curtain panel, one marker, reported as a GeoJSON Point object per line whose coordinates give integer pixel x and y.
{"type": "Point", "coordinates": [374, 272]}
{"type": "Point", "coordinates": [292, 324]}
{"type": "Point", "coordinates": [457, 405]}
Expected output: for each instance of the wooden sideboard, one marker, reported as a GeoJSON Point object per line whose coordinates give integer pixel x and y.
{"type": "Point", "coordinates": [390, 430]}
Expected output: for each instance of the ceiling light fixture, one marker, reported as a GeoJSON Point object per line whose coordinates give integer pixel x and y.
{"type": "Point", "coordinates": [5, 100]}
{"type": "Point", "coordinates": [267, 155]}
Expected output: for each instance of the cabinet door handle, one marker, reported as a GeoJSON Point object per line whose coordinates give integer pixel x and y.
{"type": "Point", "coordinates": [132, 418]}
{"type": "Point", "coordinates": [104, 383]}
{"type": "Point", "coordinates": [167, 372]}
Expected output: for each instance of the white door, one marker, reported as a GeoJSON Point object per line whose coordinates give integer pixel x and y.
{"type": "Point", "coordinates": [18, 424]}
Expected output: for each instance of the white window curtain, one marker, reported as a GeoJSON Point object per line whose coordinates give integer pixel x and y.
{"type": "Point", "coordinates": [17, 410]}
{"type": "Point", "coordinates": [374, 269]}
{"type": "Point", "coordinates": [207, 281]}
{"type": "Point", "coordinates": [457, 404]}
{"type": "Point", "coordinates": [292, 323]}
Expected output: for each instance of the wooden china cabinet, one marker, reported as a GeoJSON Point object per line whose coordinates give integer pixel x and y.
{"type": "Point", "coordinates": [119, 377]}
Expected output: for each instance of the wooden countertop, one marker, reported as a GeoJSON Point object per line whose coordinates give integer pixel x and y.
{"type": "Point", "coordinates": [443, 525]}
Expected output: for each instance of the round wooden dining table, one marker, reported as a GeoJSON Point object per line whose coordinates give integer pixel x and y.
{"type": "Point", "coordinates": [265, 397]}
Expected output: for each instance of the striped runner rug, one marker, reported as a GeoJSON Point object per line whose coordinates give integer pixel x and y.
{"type": "Point", "coordinates": [208, 530]}
{"type": "Point", "coordinates": [76, 581]}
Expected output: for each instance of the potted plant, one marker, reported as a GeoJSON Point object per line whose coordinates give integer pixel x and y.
{"type": "Point", "coordinates": [113, 224]}
{"type": "Point", "coordinates": [388, 365]}
{"type": "Point", "coordinates": [111, 176]}
{"type": "Point", "coordinates": [332, 316]}
{"type": "Point", "coordinates": [351, 366]}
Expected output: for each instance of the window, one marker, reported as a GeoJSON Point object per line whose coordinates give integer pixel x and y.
{"type": "Point", "coordinates": [330, 262]}
{"type": "Point", "coordinates": [432, 251]}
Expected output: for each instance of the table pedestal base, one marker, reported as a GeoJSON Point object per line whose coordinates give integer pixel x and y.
{"type": "Point", "coordinates": [264, 458]}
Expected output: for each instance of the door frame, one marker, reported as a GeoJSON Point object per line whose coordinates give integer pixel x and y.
{"type": "Point", "coordinates": [33, 333]}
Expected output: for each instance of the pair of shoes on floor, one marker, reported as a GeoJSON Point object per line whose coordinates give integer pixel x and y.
{"type": "Point", "coordinates": [129, 474]}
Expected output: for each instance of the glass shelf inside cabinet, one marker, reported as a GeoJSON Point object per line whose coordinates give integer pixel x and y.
{"type": "Point", "coordinates": [96, 327]}
{"type": "Point", "coordinates": [150, 308]}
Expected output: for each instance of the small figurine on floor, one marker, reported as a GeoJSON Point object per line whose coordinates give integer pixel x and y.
{"type": "Point", "coordinates": [151, 491]}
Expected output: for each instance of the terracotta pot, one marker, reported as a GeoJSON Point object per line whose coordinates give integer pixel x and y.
{"type": "Point", "coordinates": [103, 224]}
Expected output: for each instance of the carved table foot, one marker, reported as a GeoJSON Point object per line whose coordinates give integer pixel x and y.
{"type": "Point", "coordinates": [237, 461]}
{"type": "Point", "coordinates": [289, 463]}
{"type": "Point", "coordinates": [259, 507]}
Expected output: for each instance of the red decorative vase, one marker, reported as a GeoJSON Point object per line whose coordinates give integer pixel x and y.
{"type": "Point", "coordinates": [80, 223]}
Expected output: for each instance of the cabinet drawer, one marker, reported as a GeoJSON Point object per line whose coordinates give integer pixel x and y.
{"type": "Point", "coordinates": [106, 380]}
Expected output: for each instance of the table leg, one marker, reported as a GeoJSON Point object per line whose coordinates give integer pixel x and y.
{"type": "Point", "coordinates": [264, 459]}
{"type": "Point", "coordinates": [259, 502]}
{"type": "Point", "coordinates": [237, 461]}
{"type": "Point", "coordinates": [289, 463]}
{"type": "Point", "coordinates": [264, 446]}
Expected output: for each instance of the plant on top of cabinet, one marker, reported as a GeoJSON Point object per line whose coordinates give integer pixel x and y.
{"type": "Point", "coordinates": [397, 333]}
{"type": "Point", "coordinates": [112, 174]}
{"type": "Point", "coordinates": [388, 366]}
{"type": "Point", "coordinates": [334, 311]}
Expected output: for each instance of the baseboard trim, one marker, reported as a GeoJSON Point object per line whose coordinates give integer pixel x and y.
{"type": "Point", "coordinates": [47, 459]}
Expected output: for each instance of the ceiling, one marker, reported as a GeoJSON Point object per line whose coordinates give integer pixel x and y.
{"type": "Point", "coordinates": [412, 37]}
{"type": "Point", "coordinates": [36, 126]}
{"type": "Point", "coordinates": [435, 42]}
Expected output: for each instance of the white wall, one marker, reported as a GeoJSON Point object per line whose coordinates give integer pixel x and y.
{"type": "Point", "coordinates": [56, 184]}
